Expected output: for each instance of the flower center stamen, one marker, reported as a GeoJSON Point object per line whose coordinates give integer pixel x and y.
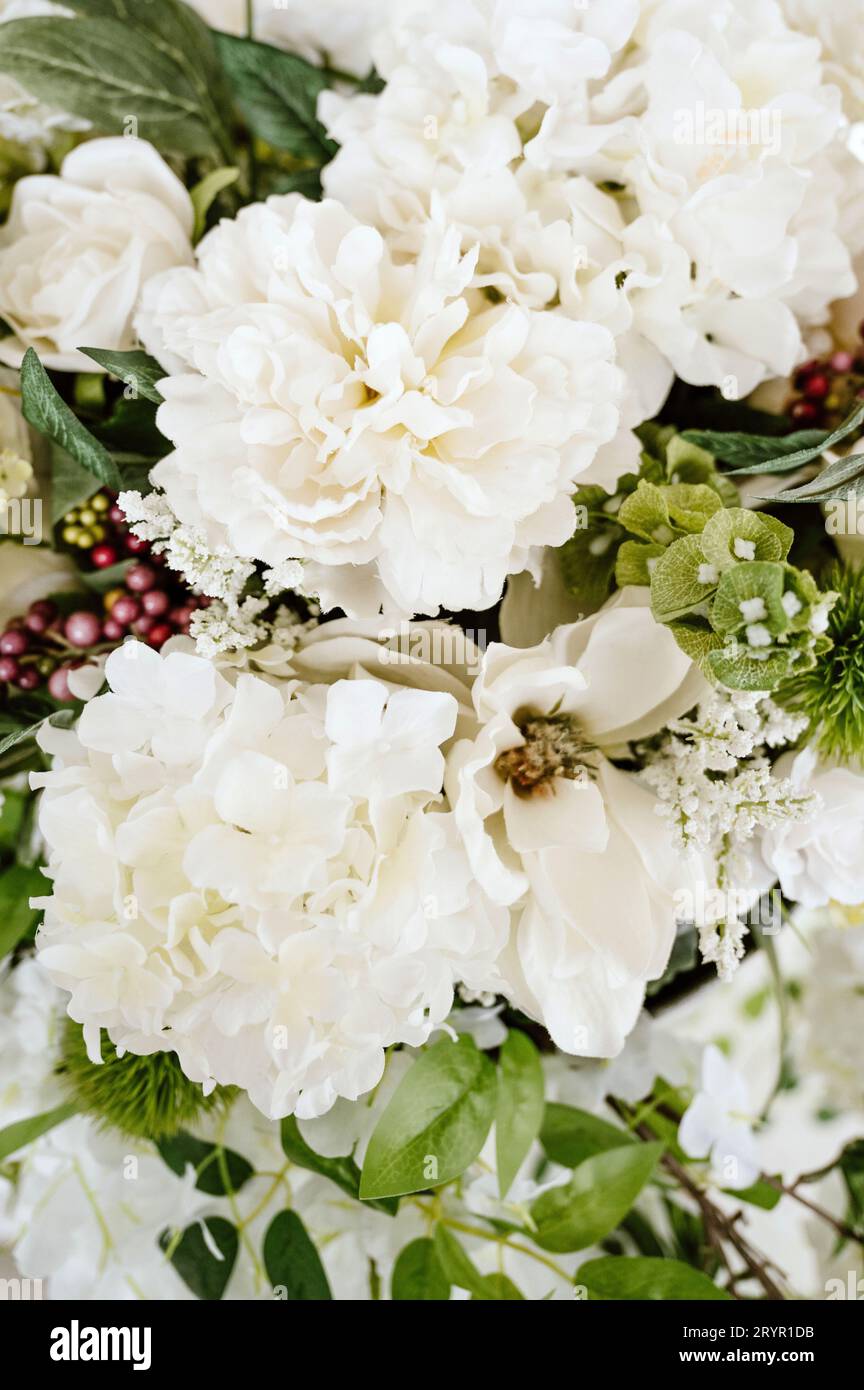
{"type": "Point", "coordinates": [554, 747]}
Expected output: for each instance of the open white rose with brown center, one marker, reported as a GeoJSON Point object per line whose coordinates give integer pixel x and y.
{"type": "Point", "coordinates": [553, 828]}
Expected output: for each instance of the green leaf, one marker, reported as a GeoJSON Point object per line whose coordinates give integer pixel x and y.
{"type": "Point", "coordinates": [435, 1123]}
{"type": "Point", "coordinates": [519, 1110]}
{"type": "Point", "coordinates": [278, 95]}
{"type": "Point", "coordinates": [641, 1277]}
{"type": "Point", "coordinates": [100, 581]}
{"type": "Point", "coordinates": [676, 586]}
{"type": "Point", "coordinates": [107, 70]}
{"type": "Point", "coordinates": [569, 1135]}
{"type": "Point", "coordinates": [221, 1171]}
{"type": "Point", "coordinates": [770, 539]}
{"type": "Point", "coordinates": [61, 719]}
{"type": "Point", "coordinates": [758, 453]}
{"type": "Point", "coordinates": [18, 885]}
{"type": "Point", "coordinates": [632, 565]}
{"type": "Point", "coordinates": [12, 807]}
{"type": "Point", "coordinates": [500, 1289]}
{"type": "Point", "coordinates": [760, 1194]}
{"type": "Point", "coordinates": [23, 1132]}
{"type": "Point", "coordinates": [137, 370]}
{"type": "Point", "coordinates": [292, 1262]}
{"type": "Point", "coordinates": [418, 1276]}
{"type": "Point", "coordinates": [342, 1171]}
{"type": "Point", "coordinates": [205, 1273]}
{"type": "Point", "coordinates": [70, 483]}
{"type": "Point", "coordinates": [205, 193]}
{"type": "Point", "coordinates": [684, 957]}
{"type": "Point", "coordinates": [836, 481]}
{"type": "Point", "coordinates": [457, 1266]}
{"type": "Point", "coordinates": [598, 1196]}
{"type": "Point", "coordinates": [46, 411]}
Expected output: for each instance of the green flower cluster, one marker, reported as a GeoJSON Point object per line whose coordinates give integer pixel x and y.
{"type": "Point", "coordinates": [675, 491]}
{"type": "Point", "coordinates": [736, 606]}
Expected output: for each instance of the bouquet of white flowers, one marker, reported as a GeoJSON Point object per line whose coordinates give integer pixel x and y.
{"type": "Point", "coordinates": [431, 649]}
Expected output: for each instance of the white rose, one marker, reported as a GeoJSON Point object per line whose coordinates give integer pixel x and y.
{"type": "Point", "coordinates": [79, 246]}
{"type": "Point", "coordinates": [820, 859]}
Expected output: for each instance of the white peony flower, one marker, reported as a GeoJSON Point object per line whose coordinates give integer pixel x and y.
{"type": "Point", "coordinates": [407, 438]}
{"type": "Point", "coordinates": [77, 249]}
{"type": "Point", "coordinates": [823, 858]}
{"type": "Point", "coordinates": [716, 1124]}
{"type": "Point", "coordinates": [553, 828]}
{"type": "Point", "coordinates": [337, 33]}
{"type": "Point", "coordinates": [258, 876]}
{"type": "Point", "coordinates": [696, 128]}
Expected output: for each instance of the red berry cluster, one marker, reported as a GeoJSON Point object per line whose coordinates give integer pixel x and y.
{"type": "Point", "coordinates": [828, 389]}
{"type": "Point", "coordinates": [43, 646]}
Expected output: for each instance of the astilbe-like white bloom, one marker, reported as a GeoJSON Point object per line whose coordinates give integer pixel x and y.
{"type": "Point", "coordinates": [258, 876]}
{"type": "Point", "coordinates": [380, 420]}
{"type": "Point", "coordinates": [698, 125]}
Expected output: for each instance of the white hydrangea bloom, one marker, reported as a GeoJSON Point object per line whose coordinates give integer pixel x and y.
{"type": "Point", "coordinates": [382, 421]}
{"type": "Point", "coordinates": [256, 876]}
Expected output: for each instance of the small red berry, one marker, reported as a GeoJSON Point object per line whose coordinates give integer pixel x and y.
{"type": "Point", "coordinates": [126, 610]}
{"type": "Point", "coordinates": [45, 607]}
{"type": "Point", "coordinates": [82, 629]}
{"type": "Point", "coordinates": [804, 412]}
{"type": "Point", "coordinates": [58, 684]}
{"type": "Point", "coordinates": [842, 362]}
{"type": "Point", "coordinates": [140, 578]}
{"type": "Point", "coordinates": [159, 634]}
{"type": "Point", "coordinates": [144, 626]}
{"type": "Point", "coordinates": [103, 556]}
{"type": "Point", "coordinates": [14, 642]}
{"type": "Point", "coordinates": [817, 387]}
{"type": "Point", "coordinates": [112, 631]}
{"type": "Point", "coordinates": [155, 603]}
{"type": "Point", "coordinates": [135, 545]}
{"type": "Point", "coordinates": [117, 515]}
{"type": "Point", "coordinates": [36, 623]}
{"type": "Point", "coordinates": [8, 668]}
{"type": "Point", "coordinates": [28, 678]}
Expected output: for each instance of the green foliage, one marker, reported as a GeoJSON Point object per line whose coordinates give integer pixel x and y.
{"type": "Point", "coordinates": [196, 1260]}
{"type": "Point", "coordinates": [219, 1171]}
{"type": "Point", "coordinates": [599, 1195]}
{"type": "Point", "coordinates": [44, 408]}
{"type": "Point", "coordinates": [736, 606]}
{"type": "Point", "coordinates": [676, 489]}
{"type": "Point", "coordinates": [18, 884]}
{"type": "Point", "coordinates": [23, 1132]}
{"type": "Point", "coordinates": [137, 370]}
{"type": "Point", "coordinates": [341, 1171]}
{"type": "Point", "coordinates": [418, 1276]}
{"type": "Point", "coordinates": [519, 1110]}
{"type": "Point", "coordinates": [147, 1097]}
{"type": "Point", "coordinates": [569, 1135]}
{"type": "Point", "coordinates": [642, 1278]}
{"type": "Point", "coordinates": [205, 193]}
{"type": "Point", "coordinates": [292, 1262]}
{"type": "Point", "coordinates": [153, 59]}
{"type": "Point", "coordinates": [831, 693]}
{"type": "Point", "coordinates": [278, 95]}
{"type": "Point", "coordinates": [435, 1123]}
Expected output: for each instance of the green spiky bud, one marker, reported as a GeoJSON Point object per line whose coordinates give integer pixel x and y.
{"type": "Point", "coordinates": [831, 695]}
{"type": "Point", "coordinates": [144, 1097]}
